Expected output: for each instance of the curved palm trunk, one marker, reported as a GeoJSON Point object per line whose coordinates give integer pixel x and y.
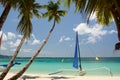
{"type": "Point", "coordinates": [117, 21]}
{"type": "Point", "coordinates": [4, 14]}
{"type": "Point", "coordinates": [33, 57]}
{"type": "Point", "coordinates": [4, 73]}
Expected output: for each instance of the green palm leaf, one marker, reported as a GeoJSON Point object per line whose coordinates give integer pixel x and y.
{"type": "Point", "coordinates": [53, 11]}
{"type": "Point", "coordinates": [27, 9]}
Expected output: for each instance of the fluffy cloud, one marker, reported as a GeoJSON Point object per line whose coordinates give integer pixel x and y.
{"type": "Point", "coordinates": [11, 35]}
{"type": "Point", "coordinates": [61, 38]}
{"type": "Point", "coordinates": [64, 38]}
{"type": "Point", "coordinates": [13, 40]}
{"type": "Point", "coordinates": [67, 39]}
{"type": "Point", "coordinates": [112, 31]}
{"type": "Point", "coordinates": [14, 44]}
{"type": "Point", "coordinates": [94, 33]}
{"type": "Point", "coordinates": [35, 41]}
{"type": "Point", "coordinates": [17, 42]}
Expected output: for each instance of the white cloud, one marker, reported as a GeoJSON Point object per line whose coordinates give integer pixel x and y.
{"type": "Point", "coordinates": [112, 31]}
{"type": "Point", "coordinates": [14, 44]}
{"type": "Point", "coordinates": [91, 39]}
{"type": "Point", "coordinates": [64, 38]}
{"type": "Point", "coordinates": [61, 38]}
{"type": "Point", "coordinates": [17, 42]}
{"type": "Point", "coordinates": [97, 31]}
{"type": "Point", "coordinates": [67, 39]}
{"type": "Point", "coordinates": [11, 35]}
{"type": "Point", "coordinates": [82, 29]}
{"type": "Point", "coordinates": [94, 33]}
{"type": "Point", "coordinates": [35, 41]}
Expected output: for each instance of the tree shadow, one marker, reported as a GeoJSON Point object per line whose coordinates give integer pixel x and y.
{"type": "Point", "coordinates": [61, 77]}
{"type": "Point", "coordinates": [29, 77]}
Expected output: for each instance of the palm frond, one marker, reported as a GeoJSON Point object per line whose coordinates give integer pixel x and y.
{"type": "Point", "coordinates": [62, 12]}
{"type": "Point", "coordinates": [27, 10]}
{"type": "Point", "coordinates": [80, 5]}
{"type": "Point", "coordinates": [50, 18]}
{"type": "Point", "coordinates": [53, 11]}
{"type": "Point", "coordinates": [45, 14]}
{"type": "Point", "coordinates": [104, 17]}
{"type": "Point", "coordinates": [57, 19]}
{"type": "Point", "coordinates": [25, 27]}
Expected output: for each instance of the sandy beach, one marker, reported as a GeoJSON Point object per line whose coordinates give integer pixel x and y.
{"type": "Point", "coordinates": [62, 77]}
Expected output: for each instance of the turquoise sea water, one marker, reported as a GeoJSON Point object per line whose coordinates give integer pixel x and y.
{"type": "Point", "coordinates": [105, 66]}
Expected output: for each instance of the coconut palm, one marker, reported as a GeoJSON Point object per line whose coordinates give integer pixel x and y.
{"type": "Point", "coordinates": [7, 4]}
{"type": "Point", "coordinates": [4, 15]}
{"type": "Point", "coordinates": [27, 9]}
{"type": "Point", "coordinates": [53, 13]}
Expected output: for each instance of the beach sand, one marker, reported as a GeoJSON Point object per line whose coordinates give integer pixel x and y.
{"type": "Point", "coordinates": [62, 77]}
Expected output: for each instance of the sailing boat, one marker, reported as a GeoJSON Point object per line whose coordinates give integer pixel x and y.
{"type": "Point", "coordinates": [77, 57]}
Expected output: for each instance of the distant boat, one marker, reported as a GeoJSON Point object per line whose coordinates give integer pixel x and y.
{"type": "Point", "coordinates": [77, 58]}
{"type": "Point", "coordinates": [97, 58]}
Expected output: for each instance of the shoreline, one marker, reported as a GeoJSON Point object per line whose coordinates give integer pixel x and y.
{"type": "Point", "coordinates": [31, 76]}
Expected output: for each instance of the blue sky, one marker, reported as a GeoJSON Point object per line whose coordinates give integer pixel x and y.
{"type": "Point", "coordinates": [95, 40]}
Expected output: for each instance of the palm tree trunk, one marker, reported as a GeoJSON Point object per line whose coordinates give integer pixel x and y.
{"type": "Point", "coordinates": [117, 21]}
{"type": "Point", "coordinates": [4, 14]}
{"type": "Point", "coordinates": [4, 73]}
{"type": "Point", "coordinates": [15, 77]}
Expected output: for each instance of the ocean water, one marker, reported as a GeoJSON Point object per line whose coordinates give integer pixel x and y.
{"type": "Point", "coordinates": [105, 66]}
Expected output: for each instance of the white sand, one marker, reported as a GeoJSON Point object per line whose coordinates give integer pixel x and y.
{"type": "Point", "coordinates": [64, 77]}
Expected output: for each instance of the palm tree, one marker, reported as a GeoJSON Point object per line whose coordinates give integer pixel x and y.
{"type": "Point", "coordinates": [8, 4]}
{"type": "Point", "coordinates": [105, 10]}
{"type": "Point", "coordinates": [53, 13]}
{"type": "Point", "coordinates": [27, 10]}
{"type": "Point", "coordinates": [4, 14]}
{"type": "Point", "coordinates": [6, 10]}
